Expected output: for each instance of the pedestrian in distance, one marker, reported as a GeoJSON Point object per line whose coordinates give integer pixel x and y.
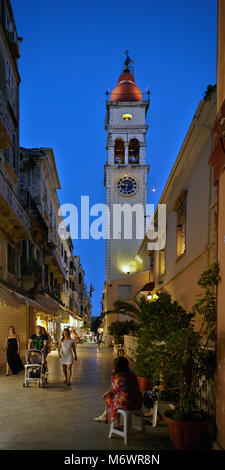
{"type": "Point", "coordinates": [67, 353]}
{"type": "Point", "coordinates": [74, 334]}
{"type": "Point", "coordinates": [12, 348]}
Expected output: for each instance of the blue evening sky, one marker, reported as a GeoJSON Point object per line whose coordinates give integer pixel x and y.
{"type": "Point", "coordinates": [73, 51]}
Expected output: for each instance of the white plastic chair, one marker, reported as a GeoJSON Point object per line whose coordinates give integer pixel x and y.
{"type": "Point", "coordinates": [155, 412]}
{"type": "Point", "coordinates": [128, 426]}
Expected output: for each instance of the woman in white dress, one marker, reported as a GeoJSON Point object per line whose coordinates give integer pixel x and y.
{"type": "Point", "coordinates": [66, 351]}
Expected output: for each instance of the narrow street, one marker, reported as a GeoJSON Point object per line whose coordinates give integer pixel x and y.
{"type": "Point", "coordinates": [60, 417]}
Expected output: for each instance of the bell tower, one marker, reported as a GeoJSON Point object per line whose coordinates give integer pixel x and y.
{"type": "Point", "coordinates": [125, 170]}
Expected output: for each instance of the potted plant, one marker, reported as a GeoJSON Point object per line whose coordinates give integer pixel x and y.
{"type": "Point", "coordinates": [143, 374]}
{"type": "Point", "coordinates": [186, 354]}
{"type": "Point", "coordinates": [156, 319]}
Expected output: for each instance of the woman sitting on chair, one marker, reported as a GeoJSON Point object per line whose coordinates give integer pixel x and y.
{"type": "Point", "coordinates": [124, 392]}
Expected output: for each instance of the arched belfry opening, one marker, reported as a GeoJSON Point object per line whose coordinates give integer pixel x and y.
{"type": "Point", "coordinates": [119, 151]}
{"type": "Point", "coordinates": [133, 151]}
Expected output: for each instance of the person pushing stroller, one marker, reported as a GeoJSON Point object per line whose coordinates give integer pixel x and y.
{"type": "Point", "coordinates": [39, 341]}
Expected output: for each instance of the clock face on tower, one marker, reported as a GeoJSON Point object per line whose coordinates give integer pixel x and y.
{"type": "Point", "coordinates": [127, 185]}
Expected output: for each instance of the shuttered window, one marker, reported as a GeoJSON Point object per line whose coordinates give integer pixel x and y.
{"type": "Point", "coordinates": [124, 292]}
{"type": "Point", "coordinates": [11, 260]}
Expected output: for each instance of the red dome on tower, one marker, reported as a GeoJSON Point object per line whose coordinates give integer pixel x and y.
{"type": "Point", "coordinates": [126, 89]}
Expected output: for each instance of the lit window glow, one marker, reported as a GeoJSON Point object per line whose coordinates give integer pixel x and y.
{"type": "Point", "coordinates": [127, 117]}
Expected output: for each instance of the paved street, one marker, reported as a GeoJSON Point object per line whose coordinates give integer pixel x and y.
{"type": "Point", "coordinates": [60, 417]}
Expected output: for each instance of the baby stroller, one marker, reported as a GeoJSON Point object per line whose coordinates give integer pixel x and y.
{"type": "Point", "coordinates": [35, 368]}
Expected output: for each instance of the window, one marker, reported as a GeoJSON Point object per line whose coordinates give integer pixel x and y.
{"type": "Point", "coordinates": [133, 151]}
{"type": "Point", "coordinates": [180, 208]}
{"type": "Point", "coordinates": [51, 280]}
{"type": "Point", "coordinates": [124, 292]}
{"type": "Point", "coordinates": [79, 278]}
{"type": "Point", "coordinates": [11, 260]}
{"type": "Point", "coordinates": [31, 251]}
{"type": "Point", "coordinates": [46, 275]}
{"type": "Point", "coordinates": [119, 151]}
{"type": "Point", "coordinates": [15, 152]}
{"type": "Point", "coordinates": [62, 250]}
{"type": "Point", "coordinates": [162, 262]}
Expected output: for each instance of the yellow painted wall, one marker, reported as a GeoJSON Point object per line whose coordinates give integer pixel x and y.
{"type": "Point", "coordinates": [136, 281]}
{"type": "Point", "coordinates": [220, 398]}
{"type": "Point", "coordinates": [221, 54]}
{"type": "Point", "coordinates": [220, 392]}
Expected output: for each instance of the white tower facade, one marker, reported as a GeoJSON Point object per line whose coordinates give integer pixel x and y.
{"type": "Point", "coordinates": [126, 169]}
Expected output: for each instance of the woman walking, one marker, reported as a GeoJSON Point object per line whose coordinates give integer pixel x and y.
{"type": "Point", "coordinates": [66, 351]}
{"type": "Point", "coordinates": [12, 347]}
{"type": "Point", "coordinates": [73, 334]}
{"type": "Point", "coordinates": [47, 349]}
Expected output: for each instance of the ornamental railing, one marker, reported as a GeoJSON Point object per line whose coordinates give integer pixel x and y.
{"type": "Point", "coordinates": [5, 117]}
{"type": "Point", "coordinates": [11, 199]}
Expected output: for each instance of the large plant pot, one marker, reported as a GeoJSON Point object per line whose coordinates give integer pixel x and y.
{"type": "Point", "coordinates": [188, 435]}
{"type": "Point", "coordinates": [144, 383]}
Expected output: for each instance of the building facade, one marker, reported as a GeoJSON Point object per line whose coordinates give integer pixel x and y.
{"type": "Point", "coordinates": [217, 161]}
{"type": "Point", "coordinates": [14, 221]}
{"type": "Point", "coordinates": [39, 282]}
{"type": "Point", "coordinates": [83, 294]}
{"type": "Point", "coordinates": [191, 210]}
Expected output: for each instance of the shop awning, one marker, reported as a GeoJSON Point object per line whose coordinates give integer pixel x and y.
{"type": "Point", "coordinates": [15, 299]}
{"type": "Point", "coordinates": [49, 303]}
{"type": "Point", "coordinates": [10, 297]}
{"type": "Point", "coordinates": [42, 302]}
{"type": "Point", "coordinates": [149, 287]}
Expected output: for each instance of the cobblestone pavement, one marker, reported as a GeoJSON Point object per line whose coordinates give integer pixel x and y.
{"type": "Point", "coordinates": [61, 417]}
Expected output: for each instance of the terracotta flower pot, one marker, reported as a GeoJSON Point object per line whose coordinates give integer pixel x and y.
{"type": "Point", "coordinates": [188, 435]}
{"type": "Point", "coordinates": [144, 383]}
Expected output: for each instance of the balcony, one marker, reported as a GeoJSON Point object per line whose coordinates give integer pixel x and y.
{"type": "Point", "coordinates": [72, 271]}
{"type": "Point", "coordinates": [52, 259]}
{"type": "Point", "coordinates": [6, 127]}
{"type": "Point", "coordinates": [13, 218]}
{"type": "Point", "coordinates": [84, 298]}
{"type": "Point", "coordinates": [39, 228]}
{"type": "Point", "coordinates": [14, 44]}
{"type": "Point", "coordinates": [31, 274]}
